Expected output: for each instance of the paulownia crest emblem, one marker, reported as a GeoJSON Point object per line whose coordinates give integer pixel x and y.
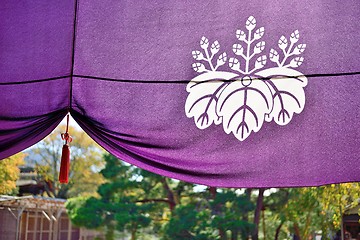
{"type": "Point", "coordinates": [249, 94]}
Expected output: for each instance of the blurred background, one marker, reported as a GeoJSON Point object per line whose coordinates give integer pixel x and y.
{"type": "Point", "coordinates": [107, 198]}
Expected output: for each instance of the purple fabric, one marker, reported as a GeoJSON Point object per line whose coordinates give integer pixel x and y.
{"type": "Point", "coordinates": [127, 86]}
{"type": "Point", "coordinates": [35, 58]}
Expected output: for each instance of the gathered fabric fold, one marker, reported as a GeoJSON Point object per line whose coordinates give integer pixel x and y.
{"type": "Point", "coordinates": [17, 134]}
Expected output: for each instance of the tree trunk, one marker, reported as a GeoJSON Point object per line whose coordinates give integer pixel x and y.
{"type": "Point", "coordinates": [63, 191]}
{"type": "Point", "coordinates": [170, 194]}
{"type": "Point", "coordinates": [278, 231]}
{"type": "Point", "coordinates": [216, 210]}
{"type": "Point", "coordinates": [297, 232]}
{"type": "Point", "coordinates": [263, 221]}
{"type": "Point", "coordinates": [109, 235]}
{"type": "Point", "coordinates": [222, 234]}
{"type": "Point", "coordinates": [306, 232]}
{"type": "Point", "coordinates": [248, 198]}
{"type": "Point", "coordinates": [259, 206]}
{"type": "Point", "coordinates": [212, 191]}
{"type": "Point", "coordinates": [245, 216]}
{"type": "Point", "coordinates": [133, 233]}
{"type": "Point", "coordinates": [234, 234]}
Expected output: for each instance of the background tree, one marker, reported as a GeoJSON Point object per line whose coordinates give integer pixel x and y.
{"type": "Point", "coordinates": [304, 211]}
{"type": "Point", "coordinates": [116, 208]}
{"type": "Point", "coordinates": [132, 199]}
{"type": "Point", "coordinates": [9, 173]}
{"type": "Point", "coordinates": [228, 209]}
{"type": "Point", "coordinates": [85, 162]}
{"type": "Point", "coordinates": [190, 222]}
{"type": "Point", "coordinates": [334, 199]}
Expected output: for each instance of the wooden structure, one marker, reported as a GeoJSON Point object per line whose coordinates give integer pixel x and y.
{"type": "Point", "coordinates": [38, 218]}
{"type": "Point", "coordinates": [351, 222]}
{"type": "Point", "coordinates": [29, 183]}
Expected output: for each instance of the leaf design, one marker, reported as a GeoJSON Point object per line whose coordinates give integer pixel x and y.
{"type": "Point", "coordinates": [234, 64]}
{"type": "Point", "coordinates": [204, 43]}
{"type": "Point", "coordinates": [259, 33]}
{"type": "Point", "coordinates": [238, 49]}
{"type": "Point", "coordinates": [250, 23]}
{"type": "Point", "coordinates": [215, 47]}
{"type": "Point", "coordinates": [243, 105]}
{"type": "Point", "coordinates": [260, 62]}
{"type": "Point", "coordinates": [197, 55]}
{"type": "Point", "coordinates": [240, 35]}
{"type": "Point", "coordinates": [296, 62]}
{"type": "Point", "coordinates": [294, 37]}
{"type": "Point", "coordinates": [259, 47]}
{"type": "Point", "coordinates": [222, 59]}
{"type": "Point", "coordinates": [299, 49]}
{"type": "Point", "coordinates": [204, 91]}
{"type": "Point", "coordinates": [287, 87]}
{"type": "Point", "coordinates": [274, 55]}
{"type": "Point", "coordinates": [283, 42]}
{"type": "Point", "coordinates": [198, 67]}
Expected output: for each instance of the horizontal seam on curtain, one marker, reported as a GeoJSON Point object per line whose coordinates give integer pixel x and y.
{"type": "Point", "coordinates": [171, 81]}
{"type": "Point", "coordinates": [34, 81]}
{"type": "Point", "coordinates": [34, 116]}
{"type": "Point", "coordinates": [223, 80]}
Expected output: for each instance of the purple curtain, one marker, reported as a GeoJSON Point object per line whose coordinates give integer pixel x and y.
{"type": "Point", "coordinates": [222, 93]}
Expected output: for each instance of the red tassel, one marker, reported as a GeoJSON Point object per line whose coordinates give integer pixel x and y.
{"type": "Point", "coordinates": [65, 165]}
{"type": "Point", "coordinates": [65, 157]}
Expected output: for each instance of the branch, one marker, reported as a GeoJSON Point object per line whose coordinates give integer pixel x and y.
{"type": "Point", "coordinates": [247, 60]}
{"type": "Point", "coordinates": [250, 41]}
{"type": "Point", "coordinates": [277, 233]}
{"type": "Point", "coordinates": [259, 206]}
{"type": "Point", "coordinates": [241, 71]}
{"type": "Point", "coordinates": [170, 194]}
{"type": "Point", "coordinates": [250, 72]}
{"type": "Point", "coordinates": [212, 191]}
{"type": "Point", "coordinates": [165, 200]}
{"type": "Point", "coordinates": [208, 59]}
{"type": "Point", "coordinates": [287, 54]}
{"type": "Point", "coordinates": [243, 56]}
{"type": "Point", "coordinates": [251, 56]}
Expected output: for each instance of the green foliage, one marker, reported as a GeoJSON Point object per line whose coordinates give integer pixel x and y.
{"type": "Point", "coordinates": [85, 211]}
{"type": "Point", "coordinates": [9, 173]}
{"type": "Point", "coordinates": [211, 217]}
{"type": "Point", "coordinates": [305, 210]}
{"type": "Point", "coordinates": [116, 206]}
{"type": "Point", "coordinates": [188, 223]}
{"type": "Point", "coordinates": [334, 199]}
{"type": "Point", "coordinates": [228, 209]}
{"type": "Point", "coordinates": [133, 200]}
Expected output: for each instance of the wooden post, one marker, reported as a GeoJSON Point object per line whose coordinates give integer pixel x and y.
{"type": "Point", "coordinates": [69, 229]}
{"type": "Point", "coordinates": [36, 222]}
{"type": "Point", "coordinates": [18, 222]}
{"type": "Point", "coordinates": [50, 223]}
{"type": "Point", "coordinates": [41, 226]}
{"type": "Point", "coordinates": [27, 225]}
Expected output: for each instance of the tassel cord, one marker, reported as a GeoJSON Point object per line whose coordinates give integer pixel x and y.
{"type": "Point", "coordinates": [65, 158]}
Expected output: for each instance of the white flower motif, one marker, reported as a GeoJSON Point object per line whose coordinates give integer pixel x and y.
{"type": "Point", "coordinates": [240, 35]}
{"type": "Point", "coordinates": [252, 94]}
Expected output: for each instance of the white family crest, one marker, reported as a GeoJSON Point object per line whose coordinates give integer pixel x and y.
{"type": "Point", "coordinates": [249, 95]}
